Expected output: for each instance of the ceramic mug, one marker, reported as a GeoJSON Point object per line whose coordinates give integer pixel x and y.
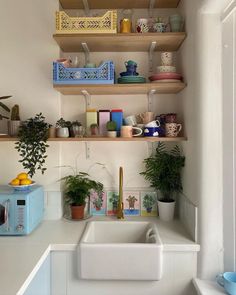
{"type": "Point", "coordinates": [228, 281]}
{"type": "Point", "coordinates": [130, 120]}
{"type": "Point", "coordinates": [142, 25]}
{"type": "Point", "coordinates": [146, 117]}
{"type": "Point", "coordinates": [172, 129]}
{"type": "Point", "coordinates": [127, 131]}
{"type": "Point", "coordinates": [176, 23]}
{"type": "Point", "coordinates": [159, 27]}
{"type": "Point", "coordinates": [154, 123]}
{"type": "Point", "coordinates": [171, 118]}
{"type": "Point", "coordinates": [90, 65]}
{"type": "Point", "coordinates": [66, 62]}
{"type": "Point", "coordinates": [151, 131]}
{"type": "Point", "coordinates": [167, 58]}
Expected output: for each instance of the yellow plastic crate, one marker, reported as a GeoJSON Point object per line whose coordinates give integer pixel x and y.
{"type": "Point", "coordinates": [86, 25]}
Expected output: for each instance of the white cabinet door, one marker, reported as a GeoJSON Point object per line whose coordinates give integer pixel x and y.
{"type": "Point", "coordinates": [41, 283]}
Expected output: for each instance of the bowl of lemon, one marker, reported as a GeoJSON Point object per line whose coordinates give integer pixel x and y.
{"type": "Point", "coordinates": [22, 182]}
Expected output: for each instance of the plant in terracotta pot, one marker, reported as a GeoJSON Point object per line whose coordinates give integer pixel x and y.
{"type": "Point", "coordinates": [163, 171]}
{"type": "Point", "coordinates": [3, 117]}
{"type": "Point", "coordinates": [77, 190]}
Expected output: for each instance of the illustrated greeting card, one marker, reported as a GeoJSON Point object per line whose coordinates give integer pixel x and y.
{"type": "Point", "coordinates": [148, 203]}
{"type": "Point", "coordinates": [97, 204]}
{"type": "Point", "coordinates": [131, 201]}
{"type": "Point", "coordinates": [112, 202]}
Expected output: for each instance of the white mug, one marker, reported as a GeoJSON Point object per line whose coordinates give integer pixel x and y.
{"type": "Point", "coordinates": [155, 123]}
{"type": "Point", "coordinates": [130, 120]}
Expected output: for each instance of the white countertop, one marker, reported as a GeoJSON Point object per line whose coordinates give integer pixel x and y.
{"type": "Point", "coordinates": [205, 287]}
{"type": "Point", "coordinates": [21, 257]}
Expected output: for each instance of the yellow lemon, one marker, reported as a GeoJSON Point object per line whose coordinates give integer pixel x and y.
{"type": "Point", "coordinates": [25, 181]}
{"type": "Point", "coordinates": [15, 181]}
{"type": "Point", "coordinates": [22, 175]}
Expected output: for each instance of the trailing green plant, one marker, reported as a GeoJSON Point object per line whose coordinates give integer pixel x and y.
{"type": "Point", "coordinates": [148, 201]}
{"type": "Point", "coordinates": [32, 144]}
{"type": "Point", "coordinates": [163, 171]}
{"type": "Point", "coordinates": [15, 113]}
{"type": "Point", "coordinates": [4, 107]}
{"type": "Point", "coordinates": [61, 123]}
{"type": "Point", "coordinates": [79, 186]}
{"type": "Point", "coordinates": [111, 126]}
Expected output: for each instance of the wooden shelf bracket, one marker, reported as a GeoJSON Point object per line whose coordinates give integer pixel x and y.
{"type": "Point", "coordinates": [87, 150]}
{"type": "Point", "coordinates": [151, 51]}
{"type": "Point", "coordinates": [150, 99]}
{"type": "Point", "coordinates": [86, 7]}
{"type": "Point", "coordinates": [151, 7]}
{"type": "Point", "coordinates": [86, 52]}
{"type": "Point", "coordinates": [87, 97]}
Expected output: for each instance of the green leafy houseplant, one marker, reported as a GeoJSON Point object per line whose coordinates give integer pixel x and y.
{"type": "Point", "coordinates": [114, 200]}
{"type": "Point", "coordinates": [163, 171]}
{"type": "Point", "coordinates": [32, 144]}
{"type": "Point", "coordinates": [61, 123]}
{"type": "Point", "coordinates": [78, 188]}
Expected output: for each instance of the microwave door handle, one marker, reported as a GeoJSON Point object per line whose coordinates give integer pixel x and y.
{"type": "Point", "coordinates": [6, 214]}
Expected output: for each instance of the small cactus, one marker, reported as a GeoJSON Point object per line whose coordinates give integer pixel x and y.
{"type": "Point", "coordinates": [15, 113]}
{"type": "Point", "coordinates": [111, 126]}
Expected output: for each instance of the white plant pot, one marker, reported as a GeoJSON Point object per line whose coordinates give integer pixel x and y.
{"type": "Point", "coordinates": [3, 127]}
{"type": "Point", "coordinates": [63, 132]}
{"type": "Point", "coordinates": [13, 127]}
{"type": "Point", "coordinates": [166, 210]}
{"type": "Point", "coordinates": [112, 134]}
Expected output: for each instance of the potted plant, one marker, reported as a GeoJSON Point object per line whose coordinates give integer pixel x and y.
{"type": "Point", "coordinates": [114, 201]}
{"type": "Point", "coordinates": [148, 202]}
{"type": "Point", "coordinates": [63, 128]}
{"type": "Point", "coordinates": [3, 117]}
{"type": "Point", "coordinates": [94, 129]}
{"type": "Point", "coordinates": [32, 144]}
{"type": "Point", "coordinates": [15, 122]}
{"type": "Point", "coordinates": [163, 171]}
{"type": "Point", "coordinates": [77, 190]}
{"type": "Point", "coordinates": [111, 129]}
{"type": "Point", "coordinates": [76, 129]}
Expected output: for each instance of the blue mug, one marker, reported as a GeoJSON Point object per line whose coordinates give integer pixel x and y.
{"type": "Point", "coordinates": [228, 281]}
{"type": "Point", "coordinates": [151, 131]}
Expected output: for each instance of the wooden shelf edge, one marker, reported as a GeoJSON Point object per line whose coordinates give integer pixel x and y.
{"type": "Point", "coordinates": [117, 139]}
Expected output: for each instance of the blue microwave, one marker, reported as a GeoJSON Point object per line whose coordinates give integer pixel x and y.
{"type": "Point", "coordinates": [20, 211]}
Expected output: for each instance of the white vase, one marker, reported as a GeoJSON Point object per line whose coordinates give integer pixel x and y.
{"type": "Point", "coordinates": [166, 210]}
{"type": "Point", "coordinates": [63, 132]}
{"type": "Point", "coordinates": [13, 127]}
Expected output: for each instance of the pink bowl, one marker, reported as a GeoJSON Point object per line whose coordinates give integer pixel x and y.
{"type": "Point", "coordinates": [162, 76]}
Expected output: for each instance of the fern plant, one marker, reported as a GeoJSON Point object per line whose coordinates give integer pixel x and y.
{"type": "Point", "coordinates": [32, 144]}
{"type": "Point", "coordinates": [163, 171]}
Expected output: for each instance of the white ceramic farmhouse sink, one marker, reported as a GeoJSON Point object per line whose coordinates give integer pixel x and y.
{"type": "Point", "coordinates": [120, 250]}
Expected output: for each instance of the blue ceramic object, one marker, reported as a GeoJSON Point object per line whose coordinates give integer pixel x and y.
{"type": "Point", "coordinates": [123, 74]}
{"type": "Point", "coordinates": [151, 131]}
{"type": "Point", "coordinates": [228, 281]}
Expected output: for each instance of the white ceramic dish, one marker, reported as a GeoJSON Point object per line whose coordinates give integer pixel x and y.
{"type": "Point", "coordinates": [166, 69]}
{"type": "Point", "coordinates": [22, 187]}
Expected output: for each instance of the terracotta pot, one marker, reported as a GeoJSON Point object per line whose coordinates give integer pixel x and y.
{"type": "Point", "coordinates": [77, 212]}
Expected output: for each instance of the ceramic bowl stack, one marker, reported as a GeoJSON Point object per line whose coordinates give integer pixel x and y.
{"type": "Point", "coordinates": [166, 72]}
{"type": "Point", "coordinates": [131, 76]}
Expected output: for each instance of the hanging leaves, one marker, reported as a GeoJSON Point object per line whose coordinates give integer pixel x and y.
{"type": "Point", "coordinates": [32, 144]}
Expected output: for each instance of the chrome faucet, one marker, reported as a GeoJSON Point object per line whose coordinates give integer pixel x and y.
{"type": "Point", "coordinates": [120, 205]}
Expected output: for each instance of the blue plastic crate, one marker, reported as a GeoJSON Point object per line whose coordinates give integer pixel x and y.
{"type": "Point", "coordinates": [104, 74]}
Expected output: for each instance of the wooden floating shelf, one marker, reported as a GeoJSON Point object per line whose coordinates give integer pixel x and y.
{"type": "Point", "coordinates": [133, 42]}
{"type": "Point", "coordinates": [117, 139]}
{"type": "Point", "coordinates": [160, 88]}
{"type": "Point", "coordinates": [118, 4]}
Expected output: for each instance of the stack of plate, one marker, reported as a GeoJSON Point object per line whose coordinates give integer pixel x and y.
{"type": "Point", "coordinates": [166, 77]}
{"type": "Point", "coordinates": [131, 79]}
